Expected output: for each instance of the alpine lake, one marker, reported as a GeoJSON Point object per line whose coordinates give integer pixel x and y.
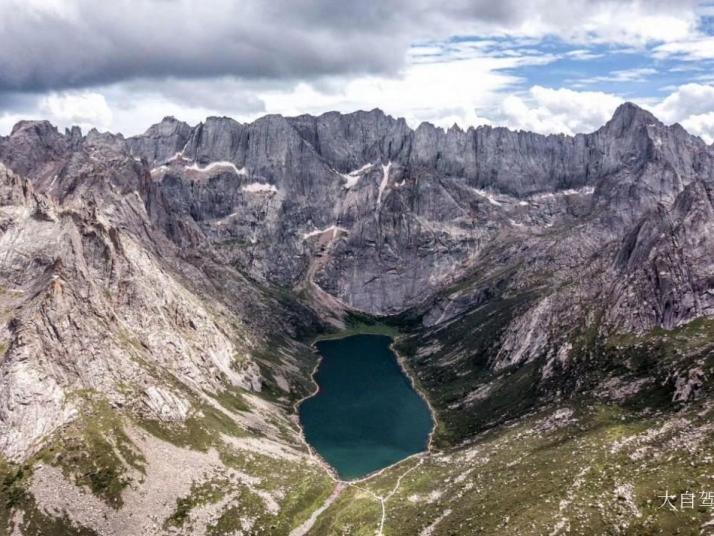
{"type": "Point", "coordinates": [366, 414]}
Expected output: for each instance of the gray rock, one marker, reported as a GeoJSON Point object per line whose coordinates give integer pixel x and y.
{"type": "Point", "coordinates": [201, 239]}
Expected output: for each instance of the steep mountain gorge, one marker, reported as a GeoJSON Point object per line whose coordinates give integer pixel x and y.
{"type": "Point", "coordinates": [160, 292]}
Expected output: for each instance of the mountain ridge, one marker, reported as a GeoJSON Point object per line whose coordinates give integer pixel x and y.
{"type": "Point", "coordinates": [162, 291]}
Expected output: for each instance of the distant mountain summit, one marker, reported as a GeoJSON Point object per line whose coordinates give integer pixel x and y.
{"type": "Point", "coordinates": [159, 294]}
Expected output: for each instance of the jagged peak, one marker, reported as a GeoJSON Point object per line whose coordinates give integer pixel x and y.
{"type": "Point", "coordinates": [695, 196]}
{"type": "Point", "coordinates": [168, 125]}
{"type": "Point", "coordinates": [427, 125]}
{"type": "Point", "coordinates": [220, 119]}
{"type": "Point", "coordinates": [630, 114]}
{"type": "Point", "coordinates": [624, 118]}
{"type": "Point", "coordinates": [95, 133]}
{"type": "Point", "coordinates": [73, 132]}
{"type": "Point", "coordinates": [270, 119]}
{"type": "Point", "coordinates": [373, 111]}
{"type": "Point", "coordinates": [41, 126]}
{"type": "Point", "coordinates": [377, 113]}
{"type": "Point", "coordinates": [13, 187]}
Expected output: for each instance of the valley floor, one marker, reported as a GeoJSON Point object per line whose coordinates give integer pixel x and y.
{"type": "Point", "coordinates": [580, 467]}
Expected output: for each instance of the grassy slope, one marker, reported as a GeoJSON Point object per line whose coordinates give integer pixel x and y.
{"type": "Point", "coordinates": [512, 478]}
{"type": "Point", "coordinates": [84, 452]}
{"type": "Point", "coordinates": [597, 471]}
{"type": "Point", "coordinates": [529, 478]}
{"type": "Point", "coordinates": [460, 362]}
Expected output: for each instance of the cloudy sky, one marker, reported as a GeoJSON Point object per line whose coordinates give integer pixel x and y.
{"type": "Point", "coordinates": [545, 65]}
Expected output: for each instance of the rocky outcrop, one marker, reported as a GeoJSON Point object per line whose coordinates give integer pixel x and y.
{"type": "Point", "coordinates": [665, 264]}
{"type": "Point", "coordinates": [94, 299]}
{"type": "Point", "coordinates": [350, 211]}
{"type": "Point", "coordinates": [162, 141]}
{"type": "Point", "coordinates": [169, 281]}
{"type": "Point", "coordinates": [422, 224]}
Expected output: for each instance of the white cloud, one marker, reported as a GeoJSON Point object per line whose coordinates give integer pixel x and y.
{"type": "Point", "coordinates": [635, 23]}
{"type": "Point", "coordinates": [469, 93]}
{"type": "Point", "coordinates": [555, 111]}
{"type": "Point", "coordinates": [692, 105]}
{"type": "Point", "coordinates": [86, 109]}
{"type": "Point", "coordinates": [692, 48]}
{"type": "Point", "coordinates": [639, 74]}
{"type": "Point", "coordinates": [567, 111]}
{"type": "Point", "coordinates": [642, 23]}
{"type": "Point", "coordinates": [442, 90]}
{"type": "Point", "coordinates": [311, 56]}
{"type": "Point", "coordinates": [64, 44]}
{"type": "Point", "coordinates": [9, 120]}
{"type": "Point", "coordinates": [443, 93]}
{"type": "Point", "coordinates": [696, 45]}
{"type": "Point", "coordinates": [439, 92]}
{"type": "Point", "coordinates": [583, 54]}
{"type": "Point", "coordinates": [702, 125]}
{"type": "Point", "coordinates": [686, 100]}
{"type": "Point", "coordinates": [552, 111]}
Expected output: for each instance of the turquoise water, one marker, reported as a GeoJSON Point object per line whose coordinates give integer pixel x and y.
{"type": "Point", "coordinates": [366, 414]}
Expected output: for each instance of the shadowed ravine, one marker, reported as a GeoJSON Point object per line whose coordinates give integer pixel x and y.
{"type": "Point", "coordinates": [366, 414]}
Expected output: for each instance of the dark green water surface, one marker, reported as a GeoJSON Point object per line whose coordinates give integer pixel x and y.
{"type": "Point", "coordinates": [366, 414]}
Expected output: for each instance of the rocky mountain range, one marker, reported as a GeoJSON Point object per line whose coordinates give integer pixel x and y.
{"type": "Point", "coordinates": [159, 296]}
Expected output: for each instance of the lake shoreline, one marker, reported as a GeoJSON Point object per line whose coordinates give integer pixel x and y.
{"type": "Point", "coordinates": [402, 360]}
{"type": "Point", "coordinates": [393, 334]}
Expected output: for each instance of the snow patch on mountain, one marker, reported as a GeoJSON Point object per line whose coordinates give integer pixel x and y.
{"type": "Point", "coordinates": [215, 165]}
{"type": "Point", "coordinates": [587, 190]}
{"type": "Point", "coordinates": [259, 187]}
{"type": "Point", "coordinates": [353, 177]}
{"type": "Point", "coordinates": [488, 196]}
{"type": "Point", "coordinates": [335, 229]}
{"type": "Point", "coordinates": [385, 181]}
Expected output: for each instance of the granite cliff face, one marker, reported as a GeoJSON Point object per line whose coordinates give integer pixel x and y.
{"type": "Point", "coordinates": [400, 212]}
{"type": "Point", "coordinates": [360, 212]}
{"type": "Point", "coordinates": [173, 278]}
{"type": "Point", "coordinates": [95, 300]}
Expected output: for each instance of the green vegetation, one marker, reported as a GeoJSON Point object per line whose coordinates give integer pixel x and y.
{"type": "Point", "coordinates": [506, 465]}
{"type": "Point", "coordinates": [208, 492]}
{"type": "Point", "coordinates": [598, 470]}
{"type": "Point", "coordinates": [12, 488]}
{"type": "Point", "coordinates": [357, 324]}
{"type": "Point", "coordinates": [232, 400]}
{"type": "Point", "coordinates": [94, 450]}
{"type": "Point", "coordinates": [460, 361]}
{"type": "Point", "coordinates": [356, 513]}
{"type": "Point", "coordinates": [303, 487]}
{"type": "Point", "coordinates": [300, 358]}
{"type": "Point", "coordinates": [36, 523]}
{"type": "Point", "coordinates": [200, 431]}
{"type": "Point", "coordinates": [15, 499]}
